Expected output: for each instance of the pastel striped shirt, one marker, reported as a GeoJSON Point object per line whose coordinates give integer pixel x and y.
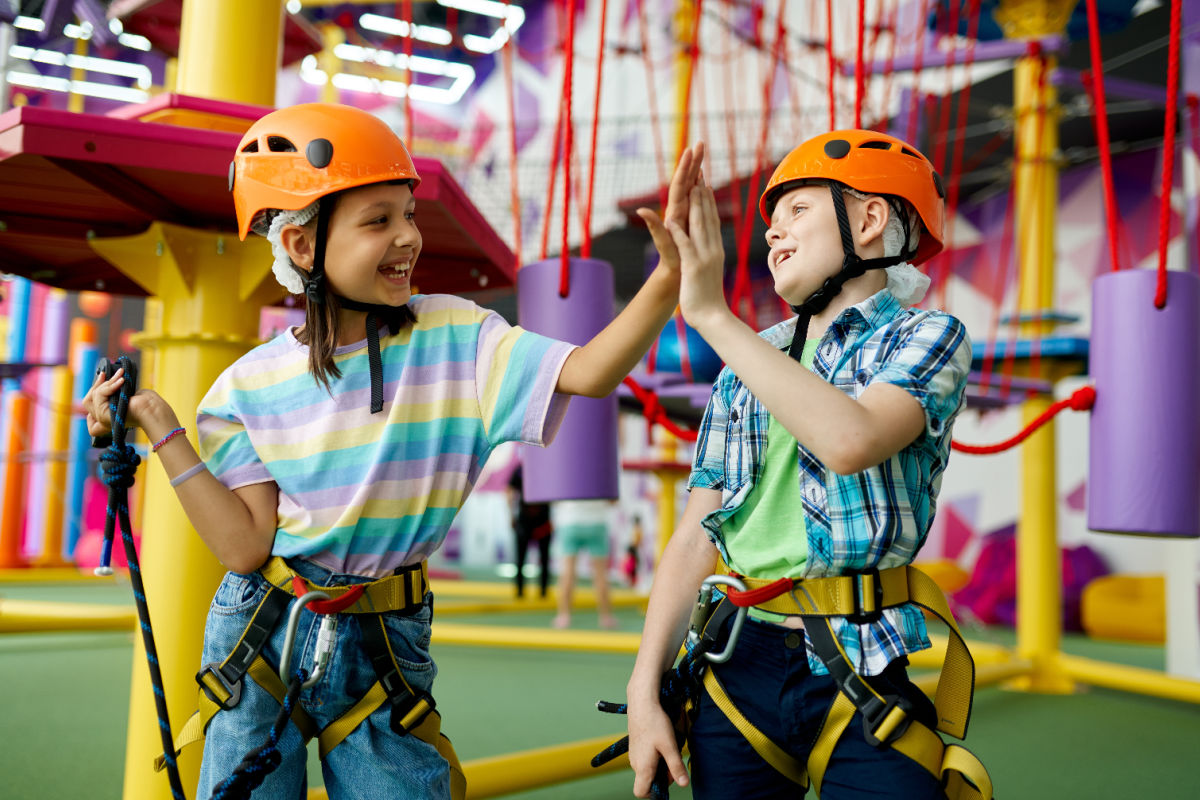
{"type": "Point", "coordinates": [876, 518]}
{"type": "Point", "coordinates": [365, 493]}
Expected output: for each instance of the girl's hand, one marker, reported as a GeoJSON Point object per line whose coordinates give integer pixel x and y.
{"type": "Point", "coordinates": [687, 175]}
{"type": "Point", "coordinates": [651, 739]}
{"type": "Point", "coordinates": [702, 260]}
{"type": "Point", "coordinates": [147, 410]}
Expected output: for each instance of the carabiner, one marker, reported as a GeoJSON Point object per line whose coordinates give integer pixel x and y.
{"type": "Point", "coordinates": [739, 618]}
{"type": "Point", "coordinates": [324, 639]}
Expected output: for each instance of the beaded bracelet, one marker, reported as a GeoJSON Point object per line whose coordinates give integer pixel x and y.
{"type": "Point", "coordinates": [154, 447]}
{"type": "Point", "coordinates": [190, 472]}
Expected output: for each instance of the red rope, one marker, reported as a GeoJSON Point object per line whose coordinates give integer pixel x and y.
{"type": "Point", "coordinates": [888, 67]}
{"type": "Point", "coordinates": [514, 183]}
{"type": "Point", "coordinates": [1002, 273]}
{"type": "Point", "coordinates": [564, 275]}
{"type": "Point", "coordinates": [860, 77]}
{"type": "Point", "coordinates": [1082, 400]}
{"type": "Point", "coordinates": [553, 179]}
{"type": "Point", "coordinates": [654, 412]}
{"type": "Point", "coordinates": [407, 16]}
{"type": "Point", "coordinates": [1093, 80]}
{"type": "Point", "coordinates": [1168, 172]}
{"type": "Point", "coordinates": [585, 249]}
{"type": "Point", "coordinates": [832, 66]}
{"type": "Point", "coordinates": [915, 109]}
{"type": "Point", "coordinates": [652, 95]}
{"type": "Point", "coordinates": [943, 123]}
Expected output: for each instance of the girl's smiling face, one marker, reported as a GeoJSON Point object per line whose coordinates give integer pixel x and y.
{"type": "Point", "coordinates": [373, 244]}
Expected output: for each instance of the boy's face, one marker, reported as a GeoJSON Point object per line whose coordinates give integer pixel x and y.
{"type": "Point", "coordinates": [373, 244]}
{"type": "Point", "coordinates": [806, 248]}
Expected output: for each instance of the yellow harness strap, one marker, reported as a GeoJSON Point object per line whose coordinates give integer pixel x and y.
{"type": "Point", "coordinates": [962, 774]}
{"type": "Point", "coordinates": [393, 593]}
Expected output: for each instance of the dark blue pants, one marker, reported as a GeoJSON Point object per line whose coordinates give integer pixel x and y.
{"type": "Point", "coordinates": [769, 681]}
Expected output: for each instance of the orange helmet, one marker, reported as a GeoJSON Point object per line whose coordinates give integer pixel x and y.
{"type": "Point", "coordinates": [870, 162]}
{"type": "Point", "coordinates": [295, 155]}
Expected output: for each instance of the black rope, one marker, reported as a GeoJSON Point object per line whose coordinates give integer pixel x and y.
{"type": "Point", "coordinates": [264, 759]}
{"type": "Point", "coordinates": [119, 463]}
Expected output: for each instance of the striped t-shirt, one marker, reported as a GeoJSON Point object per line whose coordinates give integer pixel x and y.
{"type": "Point", "coordinates": [365, 493]}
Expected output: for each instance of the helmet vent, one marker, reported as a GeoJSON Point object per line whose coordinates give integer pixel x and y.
{"type": "Point", "coordinates": [278, 144]}
{"type": "Point", "coordinates": [251, 147]}
{"type": "Point", "coordinates": [908, 152]}
{"type": "Point", "coordinates": [876, 145]}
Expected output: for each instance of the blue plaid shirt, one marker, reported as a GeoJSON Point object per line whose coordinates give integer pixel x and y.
{"type": "Point", "coordinates": [875, 518]}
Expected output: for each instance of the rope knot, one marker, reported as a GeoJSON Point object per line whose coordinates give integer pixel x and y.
{"type": "Point", "coordinates": [119, 463]}
{"type": "Point", "coordinates": [1083, 399]}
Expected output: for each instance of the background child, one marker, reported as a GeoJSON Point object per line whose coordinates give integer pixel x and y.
{"type": "Point", "coordinates": [343, 449]}
{"type": "Point", "coordinates": [583, 525]}
{"type": "Point", "coordinates": [820, 453]}
{"type": "Point", "coordinates": [531, 525]}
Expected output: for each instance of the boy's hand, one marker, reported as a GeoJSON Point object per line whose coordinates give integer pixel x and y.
{"type": "Point", "coordinates": [651, 739]}
{"type": "Point", "coordinates": [702, 260]}
{"type": "Point", "coordinates": [687, 175]}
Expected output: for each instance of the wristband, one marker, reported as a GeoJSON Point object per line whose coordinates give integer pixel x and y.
{"type": "Point", "coordinates": [190, 472]}
{"type": "Point", "coordinates": [154, 447]}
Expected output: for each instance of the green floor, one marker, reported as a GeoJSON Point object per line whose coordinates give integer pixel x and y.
{"type": "Point", "coordinates": [65, 696]}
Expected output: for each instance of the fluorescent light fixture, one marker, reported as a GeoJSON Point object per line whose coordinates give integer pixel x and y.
{"type": "Point", "coordinates": [398, 27]}
{"type": "Point", "coordinates": [513, 16]}
{"type": "Point", "coordinates": [139, 72]}
{"type": "Point", "coordinates": [29, 24]}
{"type": "Point", "coordinates": [134, 41]}
{"type": "Point", "coordinates": [83, 31]}
{"type": "Point", "coordinates": [116, 26]}
{"type": "Point", "coordinates": [293, 6]}
{"type": "Point", "coordinates": [462, 75]}
{"type": "Point", "coordinates": [88, 88]}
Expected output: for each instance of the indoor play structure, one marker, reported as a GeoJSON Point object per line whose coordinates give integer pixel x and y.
{"type": "Point", "coordinates": [135, 201]}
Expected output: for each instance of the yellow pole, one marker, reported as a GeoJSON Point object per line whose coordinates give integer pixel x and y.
{"type": "Point", "coordinates": [56, 470]}
{"type": "Point", "coordinates": [230, 49]}
{"type": "Point", "coordinates": [1039, 569]}
{"type": "Point", "coordinates": [685, 19]}
{"type": "Point", "coordinates": [74, 99]}
{"type": "Point", "coordinates": [211, 287]}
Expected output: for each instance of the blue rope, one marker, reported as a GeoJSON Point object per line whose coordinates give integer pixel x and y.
{"type": "Point", "coordinates": [119, 463]}
{"type": "Point", "coordinates": [262, 761]}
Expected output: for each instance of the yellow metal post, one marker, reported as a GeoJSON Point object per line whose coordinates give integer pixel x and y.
{"type": "Point", "coordinates": [230, 49]}
{"type": "Point", "coordinates": [1039, 569]}
{"type": "Point", "coordinates": [211, 288]}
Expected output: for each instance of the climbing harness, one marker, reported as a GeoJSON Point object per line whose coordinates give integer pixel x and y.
{"type": "Point", "coordinates": [118, 463]}
{"type": "Point", "coordinates": [887, 717]}
{"type": "Point", "coordinates": [412, 712]}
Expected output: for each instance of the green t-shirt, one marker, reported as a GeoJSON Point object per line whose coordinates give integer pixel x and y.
{"type": "Point", "coordinates": [766, 537]}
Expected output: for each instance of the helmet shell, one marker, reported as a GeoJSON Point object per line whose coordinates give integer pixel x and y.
{"type": "Point", "coordinates": [295, 155]}
{"type": "Point", "coordinates": [871, 162]}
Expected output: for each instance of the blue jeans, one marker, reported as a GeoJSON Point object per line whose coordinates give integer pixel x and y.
{"type": "Point", "coordinates": [373, 762]}
{"type": "Point", "coordinates": [769, 681]}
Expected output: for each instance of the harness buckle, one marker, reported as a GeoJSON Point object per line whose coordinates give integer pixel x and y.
{"type": "Point", "coordinates": [409, 710]}
{"type": "Point", "coordinates": [886, 720]}
{"type": "Point", "coordinates": [868, 597]}
{"type": "Point", "coordinates": [234, 689]}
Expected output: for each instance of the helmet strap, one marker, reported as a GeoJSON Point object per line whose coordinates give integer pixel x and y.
{"type": "Point", "coordinates": [314, 286]}
{"type": "Point", "coordinates": [853, 266]}
{"type": "Point", "coordinates": [392, 316]}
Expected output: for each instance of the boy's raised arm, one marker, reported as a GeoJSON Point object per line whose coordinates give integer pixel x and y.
{"type": "Point", "coordinates": [596, 369]}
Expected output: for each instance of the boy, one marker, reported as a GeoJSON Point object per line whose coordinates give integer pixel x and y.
{"type": "Point", "coordinates": [826, 467]}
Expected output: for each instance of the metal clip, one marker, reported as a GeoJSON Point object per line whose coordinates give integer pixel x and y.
{"type": "Point", "coordinates": [738, 620]}
{"type": "Point", "coordinates": [325, 638]}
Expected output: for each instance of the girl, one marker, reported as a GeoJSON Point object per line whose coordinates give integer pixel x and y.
{"type": "Point", "coordinates": [340, 452]}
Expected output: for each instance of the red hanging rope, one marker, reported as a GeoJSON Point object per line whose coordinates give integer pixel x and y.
{"type": "Point", "coordinates": [1093, 81]}
{"type": "Point", "coordinates": [407, 16]}
{"type": "Point", "coordinates": [514, 183]}
{"type": "Point", "coordinates": [652, 95]}
{"type": "Point", "coordinates": [1082, 400]}
{"type": "Point", "coordinates": [860, 77]}
{"type": "Point", "coordinates": [553, 179]}
{"type": "Point", "coordinates": [1168, 172]}
{"type": "Point", "coordinates": [915, 109]}
{"type": "Point", "coordinates": [888, 67]}
{"type": "Point", "coordinates": [1035, 346]}
{"type": "Point", "coordinates": [655, 414]}
{"type": "Point", "coordinates": [1002, 277]}
{"type": "Point", "coordinates": [564, 275]}
{"type": "Point", "coordinates": [585, 249]}
{"type": "Point", "coordinates": [832, 66]}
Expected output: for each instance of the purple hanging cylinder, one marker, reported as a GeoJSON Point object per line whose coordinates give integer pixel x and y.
{"type": "Point", "coordinates": [582, 462]}
{"type": "Point", "coordinates": [1144, 458]}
